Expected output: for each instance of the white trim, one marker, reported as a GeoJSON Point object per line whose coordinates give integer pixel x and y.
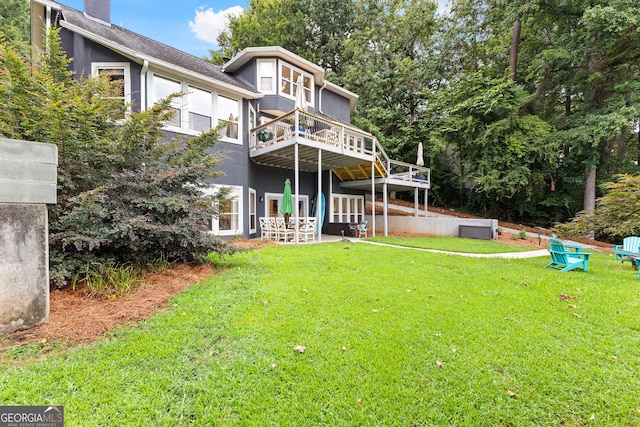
{"type": "Point", "coordinates": [182, 104]}
{"type": "Point", "coordinates": [278, 196]}
{"type": "Point", "coordinates": [235, 192]}
{"type": "Point", "coordinates": [214, 83]}
{"type": "Point", "coordinates": [293, 82]}
{"type": "Point", "coordinates": [253, 210]}
{"type": "Point", "coordinates": [97, 66]}
{"type": "Point", "coordinates": [274, 76]}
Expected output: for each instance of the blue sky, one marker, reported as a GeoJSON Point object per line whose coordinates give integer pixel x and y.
{"type": "Point", "coordinates": [189, 25]}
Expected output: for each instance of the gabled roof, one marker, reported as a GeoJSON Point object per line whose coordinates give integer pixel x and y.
{"type": "Point", "coordinates": [139, 49]}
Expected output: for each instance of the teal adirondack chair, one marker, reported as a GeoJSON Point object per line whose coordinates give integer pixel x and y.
{"type": "Point", "coordinates": [567, 258]}
{"type": "Point", "coordinates": [630, 246]}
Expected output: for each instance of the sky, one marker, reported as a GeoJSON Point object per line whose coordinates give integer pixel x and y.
{"type": "Point", "coordinates": [189, 25]}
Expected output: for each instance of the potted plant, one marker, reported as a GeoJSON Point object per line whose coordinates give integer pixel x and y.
{"type": "Point", "coordinates": [265, 135]}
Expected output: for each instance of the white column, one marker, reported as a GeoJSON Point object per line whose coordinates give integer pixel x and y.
{"type": "Point", "coordinates": [319, 196]}
{"type": "Point", "coordinates": [373, 194]}
{"type": "Point", "coordinates": [297, 187]}
{"type": "Point", "coordinates": [426, 200]}
{"type": "Point", "coordinates": [416, 202]}
{"type": "Point", "coordinates": [386, 206]}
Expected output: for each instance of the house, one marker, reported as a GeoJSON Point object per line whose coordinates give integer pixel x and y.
{"type": "Point", "coordinates": [282, 120]}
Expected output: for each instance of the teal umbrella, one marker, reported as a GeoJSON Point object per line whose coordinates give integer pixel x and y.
{"type": "Point", "coordinates": [286, 208]}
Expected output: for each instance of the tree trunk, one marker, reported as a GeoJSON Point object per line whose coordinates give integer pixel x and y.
{"type": "Point", "coordinates": [515, 46]}
{"type": "Point", "coordinates": [589, 188]}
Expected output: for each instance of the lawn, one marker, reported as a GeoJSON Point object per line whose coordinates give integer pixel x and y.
{"type": "Point", "coordinates": [391, 337]}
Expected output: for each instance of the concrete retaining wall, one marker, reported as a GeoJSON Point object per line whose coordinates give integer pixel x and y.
{"type": "Point", "coordinates": [27, 184]}
{"type": "Point", "coordinates": [436, 226]}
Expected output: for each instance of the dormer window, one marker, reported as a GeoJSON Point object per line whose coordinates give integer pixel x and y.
{"type": "Point", "coordinates": [289, 77]}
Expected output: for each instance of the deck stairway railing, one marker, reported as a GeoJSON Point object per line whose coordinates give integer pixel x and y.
{"type": "Point", "coordinates": [349, 139]}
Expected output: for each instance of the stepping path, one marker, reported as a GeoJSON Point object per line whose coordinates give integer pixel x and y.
{"type": "Point", "coordinates": [526, 254]}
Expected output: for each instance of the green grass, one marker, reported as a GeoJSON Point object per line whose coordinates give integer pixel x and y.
{"type": "Point", "coordinates": [452, 244]}
{"type": "Point", "coordinates": [429, 339]}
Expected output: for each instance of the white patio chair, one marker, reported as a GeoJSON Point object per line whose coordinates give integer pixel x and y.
{"type": "Point", "coordinates": [308, 230]}
{"type": "Point", "coordinates": [284, 233]}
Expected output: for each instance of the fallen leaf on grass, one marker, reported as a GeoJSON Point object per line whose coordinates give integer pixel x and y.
{"type": "Point", "coordinates": [344, 348]}
{"type": "Point", "coordinates": [359, 401]}
{"type": "Point", "coordinates": [513, 394]}
{"type": "Point", "coordinates": [567, 297]}
{"type": "Point", "coordinates": [453, 348]}
{"type": "Point", "coordinates": [273, 366]}
{"type": "Point", "coordinates": [265, 302]}
{"type": "Point", "coordinates": [572, 306]}
{"type": "Point", "coordinates": [507, 318]}
{"type": "Point", "coordinates": [374, 311]}
{"type": "Point", "coordinates": [300, 348]}
{"type": "Point", "coordinates": [439, 364]}
{"type": "Point", "coordinates": [576, 315]}
{"type": "Point", "coordinates": [592, 417]}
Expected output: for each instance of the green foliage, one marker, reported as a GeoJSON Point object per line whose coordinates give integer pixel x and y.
{"type": "Point", "coordinates": [617, 213]}
{"type": "Point", "coordinates": [127, 195]}
{"type": "Point", "coordinates": [14, 25]}
{"type": "Point", "coordinates": [106, 280]}
{"type": "Point", "coordinates": [455, 340]}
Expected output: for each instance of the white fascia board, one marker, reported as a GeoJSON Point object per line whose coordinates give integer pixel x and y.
{"type": "Point", "coordinates": [135, 55]}
{"type": "Point", "coordinates": [51, 4]}
{"type": "Point", "coordinates": [277, 51]}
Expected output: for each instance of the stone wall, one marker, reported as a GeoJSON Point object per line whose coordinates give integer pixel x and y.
{"type": "Point", "coordinates": [27, 184]}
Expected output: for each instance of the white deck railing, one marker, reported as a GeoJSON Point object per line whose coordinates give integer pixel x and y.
{"type": "Point", "coordinates": [299, 123]}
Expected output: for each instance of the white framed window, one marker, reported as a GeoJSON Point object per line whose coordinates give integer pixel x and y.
{"type": "Point", "coordinates": [198, 110]}
{"type": "Point", "coordinates": [119, 75]}
{"type": "Point", "coordinates": [346, 208]}
{"type": "Point", "coordinates": [229, 219]}
{"type": "Point", "coordinates": [228, 115]}
{"type": "Point", "coordinates": [266, 76]}
{"type": "Point", "coordinates": [253, 216]}
{"type": "Point", "coordinates": [288, 82]}
{"type": "Point", "coordinates": [162, 88]}
{"type": "Point", "coordinates": [273, 201]}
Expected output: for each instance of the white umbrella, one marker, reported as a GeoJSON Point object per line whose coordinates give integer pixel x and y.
{"type": "Point", "coordinates": [420, 161]}
{"type": "Point", "coordinates": [301, 100]}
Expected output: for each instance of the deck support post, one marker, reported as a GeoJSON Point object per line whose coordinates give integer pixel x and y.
{"type": "Point", "coordinates": [319, 197]}
{"type": "Point", "coordinates": [385, 204]}
{"type": "Point", "coordinates": [297, 189]}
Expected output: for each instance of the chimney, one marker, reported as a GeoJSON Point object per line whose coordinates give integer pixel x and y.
{"type": "Point", "coordinates": [98, 10]}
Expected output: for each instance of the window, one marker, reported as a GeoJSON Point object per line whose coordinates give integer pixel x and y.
{"type": "Point", "coordinates": [347, 208]}
{"type": "Point", "coordinates": [228, 114]}
{"type": "Point", "coordinates": [162, 88]}
{"type": "Point", "coordinates": [200, 109]}
{"type": "Point", "coordinates": [229, 220]}
{"type": "Point", "coordinates": [273, 201]}
{"type": "Point", "coordinates": [119, 75]}
{"type": "Point", "coordinates": [252, 211]}
{"type": "Point", "coordinates": [266, 76]}
{"type": "Point", "coordinates": [288, 82]}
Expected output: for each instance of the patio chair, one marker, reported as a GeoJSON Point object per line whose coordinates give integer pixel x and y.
{"type": "Point", "coordinates": [283, 231]}
{"type": "Point", "coordinates": [567, 258]}
{"type": "Point", "coordinates": [360, 230]}
{"type": "Point", "coordinates": [630, 246]}
{"type": "Point", "coordinates": [265, 228]}
{"type": "Point", "coordinates": [307, 230]}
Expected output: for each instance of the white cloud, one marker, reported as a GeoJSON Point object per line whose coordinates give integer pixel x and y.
{"type": "Point", "coordinates": [208, 24]}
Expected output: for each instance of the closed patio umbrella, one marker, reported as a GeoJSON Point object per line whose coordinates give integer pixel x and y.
{"type": "Point", "coordinates": [420, 161]}
{"type": "Point", "coordinates": [286, 208]}
{"type": "Point", "coordinates": [301, 100]}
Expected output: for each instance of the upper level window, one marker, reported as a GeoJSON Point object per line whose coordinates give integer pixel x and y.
{"type": "Point", "coordinates": [162, 88]}
{"type": "Point", "coordinates": [228, 114]}
{"type": "Point", "coordinates": [288, 82]}
{"type": "Point", "coordinates": [201, 109]}
{"type": "Point", "coordinates": [119, 75]}
{"type": "Point", "coordinates": [198, 110]}
{"type": "Point", "coordinates": [267, 75]}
